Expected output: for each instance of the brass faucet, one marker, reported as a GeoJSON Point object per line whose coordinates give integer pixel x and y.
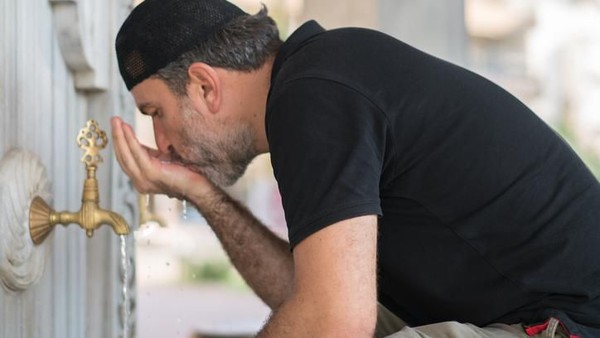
{"type": "Point", "coordinates": [90, 216]}
{"type": "Point", "coordinates": [146, 205]}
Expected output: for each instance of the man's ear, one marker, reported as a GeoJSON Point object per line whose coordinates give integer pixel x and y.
{"type": "Point", "coordinates": [204, 87]}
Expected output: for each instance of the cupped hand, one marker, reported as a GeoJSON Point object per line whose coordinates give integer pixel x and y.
{"type": "Point", "coordinates": [149, 170]}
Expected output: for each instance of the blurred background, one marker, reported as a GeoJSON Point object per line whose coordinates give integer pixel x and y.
{"type": "Point", "coordinates": [544, 52]}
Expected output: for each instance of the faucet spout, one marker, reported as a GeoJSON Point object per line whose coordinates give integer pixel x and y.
{"type": "Point", "coordinates": [116, 221]}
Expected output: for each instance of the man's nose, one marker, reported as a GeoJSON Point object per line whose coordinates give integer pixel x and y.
{"type": "Point", "coordinates": [162, 142]}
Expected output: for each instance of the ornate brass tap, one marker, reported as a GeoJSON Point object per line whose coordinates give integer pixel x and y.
{"type": "Point", "coordinates": [146, 206]}
{"type": "Point", "coordinates": [42, 218]}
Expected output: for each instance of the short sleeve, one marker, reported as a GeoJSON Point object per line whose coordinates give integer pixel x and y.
{"type": "Point", "coordinates": [327, 142]}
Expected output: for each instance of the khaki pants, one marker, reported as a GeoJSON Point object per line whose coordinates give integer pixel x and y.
{"type": "Point", "coordinates": [390, 326]}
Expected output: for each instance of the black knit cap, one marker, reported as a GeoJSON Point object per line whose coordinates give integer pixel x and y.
{"type": "Point", "coordinates": [158, 32]}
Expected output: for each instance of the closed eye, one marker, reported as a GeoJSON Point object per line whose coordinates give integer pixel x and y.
{"type": "Point", "coordinates": [148, 110]}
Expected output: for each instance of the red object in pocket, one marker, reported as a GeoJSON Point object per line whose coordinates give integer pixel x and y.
{"type": "Point", "coordinates": [539, 328]}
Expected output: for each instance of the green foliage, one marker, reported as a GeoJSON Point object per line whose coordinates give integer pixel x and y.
{"type": "Point", "coordinates": [216, 271]}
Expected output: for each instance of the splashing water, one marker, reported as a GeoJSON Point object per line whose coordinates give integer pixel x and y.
{"type": "Point", "coordinates": [125, 311]}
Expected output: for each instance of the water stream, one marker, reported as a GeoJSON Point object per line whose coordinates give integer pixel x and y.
{"type": "Point", "coordinates": [125, 309]}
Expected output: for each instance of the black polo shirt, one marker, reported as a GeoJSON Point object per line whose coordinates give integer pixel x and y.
{"type": "Point", "coordinates": [486, 214]}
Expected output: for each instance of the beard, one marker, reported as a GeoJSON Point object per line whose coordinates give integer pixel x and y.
{"type": "Point", "coordinates": [222, 159]}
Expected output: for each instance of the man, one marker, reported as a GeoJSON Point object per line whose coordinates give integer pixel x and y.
{"type": "Point", "coordinates": [412, 188]}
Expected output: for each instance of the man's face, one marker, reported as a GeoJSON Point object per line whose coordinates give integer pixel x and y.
{"type": "Point", "coordinates": [217, 147]}
{"type": "Point", "coordinates": [220, 150]}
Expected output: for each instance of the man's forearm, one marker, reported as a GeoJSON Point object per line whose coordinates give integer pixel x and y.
{"type": "Point", "coordinates": [262, 258]}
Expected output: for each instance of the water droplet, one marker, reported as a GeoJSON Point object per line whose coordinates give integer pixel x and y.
{"type": "Point", "coordinates": [184, 209]}
{"type": "Point", "coordinates": [147, 201]}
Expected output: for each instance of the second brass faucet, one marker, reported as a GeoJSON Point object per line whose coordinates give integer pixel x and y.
{"type": "Point", "coordinates": [90, 216]}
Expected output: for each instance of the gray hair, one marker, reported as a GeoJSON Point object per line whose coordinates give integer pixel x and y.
{"type": "Point", "coordinates": [244, 44]}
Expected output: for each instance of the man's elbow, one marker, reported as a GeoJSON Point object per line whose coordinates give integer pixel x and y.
{"type": "Point", "coordinates": [357, 327]}
{"type": "Point", "coordinates": [349, 332]}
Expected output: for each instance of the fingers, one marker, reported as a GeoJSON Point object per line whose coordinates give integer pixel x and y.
{"type": "Point", "coordinates": [118, 139]}
{"type": "Point", "coordinates": [124, 154]}
{"type": "Point", "coordinates": [136, 149]}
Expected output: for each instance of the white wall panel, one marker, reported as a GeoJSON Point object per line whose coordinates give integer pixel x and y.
{"type": "Point", "coordinates": [41, 110]}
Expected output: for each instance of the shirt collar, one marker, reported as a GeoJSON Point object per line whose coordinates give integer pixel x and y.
{"type": "Point", "coordinates": [295, 41]}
